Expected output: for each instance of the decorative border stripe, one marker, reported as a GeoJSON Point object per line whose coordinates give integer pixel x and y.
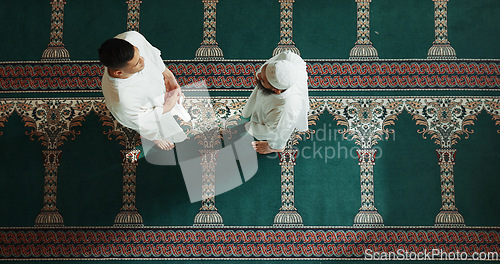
{"type": "Point", "coordinates": [232, 75]}
{"type": "Point", "coordinates": [240, 243]}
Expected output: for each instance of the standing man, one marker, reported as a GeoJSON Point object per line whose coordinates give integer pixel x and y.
{"type": "Point", "coordinates": [279, 104]}
{"type": "Point", "coordinates": [139, 91]}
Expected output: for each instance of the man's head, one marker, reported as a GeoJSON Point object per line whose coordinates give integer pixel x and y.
{"type": "Point", "coordinates": [263, 83]}
{"type": "Point", "coordinates": [277, 76]}
{"type": "Point", "coordinates": [121, 58]}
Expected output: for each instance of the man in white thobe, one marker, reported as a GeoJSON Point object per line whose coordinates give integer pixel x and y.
{"type": "Point", "coordinates": [139, 91]}
{"type": "Point", "coordinates": [279, 104]}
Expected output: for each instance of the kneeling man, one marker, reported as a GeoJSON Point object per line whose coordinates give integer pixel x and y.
{"type": "Point", "coordinates": [279, 104]}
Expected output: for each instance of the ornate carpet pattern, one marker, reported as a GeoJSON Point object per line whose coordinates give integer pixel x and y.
{"type": "Point", "coordinates": [183, 243]}
{"type": "Point", "coordinates": [237, 75]}
{"type": "Point", "coordinates": [417, 120]}
{"type": "Point", "coordinates": [446, 120]}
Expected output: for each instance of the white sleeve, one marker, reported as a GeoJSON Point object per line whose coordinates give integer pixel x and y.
{"type": "Point", "coordinates": [155, 56]}
{"type": "Point", "coordinates": [276, 130]}
{"type": "Point", "coordinates": [152, 53]}
{"type": "Point", "coordinates": [149, 120]}
{"type": "Point", "coordinates": [250, 104]}
{"type": "Point", "coordinates": [264, 131]}
{"type": "Point", "coordinates": [148, 123]}
{"type": "Point", "coordinates": [284, 129]}
{"type": "Point", "coordinates": [156, 125]}
{"type": "Point", "coordinates": [143, 120]}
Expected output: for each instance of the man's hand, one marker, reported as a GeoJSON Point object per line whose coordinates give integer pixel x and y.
{"type": "Point", "coordinates": [171, 98]}
{"type": "Point", "coordinates": [262, 147]}
{"type": "Point", "coordinates": [164, 145]}
{"type": "Point", "coordinates": [170, 81]}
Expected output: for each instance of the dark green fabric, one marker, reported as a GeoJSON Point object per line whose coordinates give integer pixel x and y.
{"type": "Point", "coordinates": [406, 174]}
{"type": "Point", "coordinates": [21, 181]}
{"type": "Point", "coordinates": [403, 31]}
{"type": "Point", "coordinates": [250, 29]}
{"type": "Point", "coordinates": [476, 174]}
{"type": "Point", "coordinates": [324, 29]}
{"type": "Point", "coordinates": [89, 189]}
{"type": "Point", "coordinates": [84, 33]}
{"type": "Point", "coordinates": [23, 38]}
{"type": "Point", "coordinates": [474, 38]}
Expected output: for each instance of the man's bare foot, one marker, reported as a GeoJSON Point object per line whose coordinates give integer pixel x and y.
{"type": "Point", "coordinates": [262, 147]}
{"type": "Point", "coordinates": [164, 145]}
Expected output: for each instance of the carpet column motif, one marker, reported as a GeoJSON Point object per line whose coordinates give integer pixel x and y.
{"type": "Point", "coordinates": [446, 120]}
{"type": "Point", "coordinates": [129, 216]}
{"type": "Point", "coordinates": [52, 122]}
{"type": "Point", "coordinates": [288, 215]}
{"type": "Point", "coordinates": [130, 139]}
{"type": "Point", "coordinates": [368, 214]}
{"type": "Point", "coordinates": [49, 215]}
{"type": "Point", "coordinates": [205, 128]}
{"type": "Point", "coordinates": [208, 215]}
{"type": "Point", "coordinates": [363, 48]}
{"type": "Point", "coordinates": [133, 14]}
{"type": "Point", "coordinates": [286, 28]}
{"type": "Point", "coordinates": [367, 121]}
{"type": "Point", "coordinates": [56, 50]}
{"type": "Point", "coordinates": [209, 49]}
{"type": "Point", "coordinates": [441, 48]}
{"type": "Point", "coordinates": [448, 214]}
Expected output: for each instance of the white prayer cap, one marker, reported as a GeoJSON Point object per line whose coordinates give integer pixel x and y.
{"type": "Point", "coordinates": [281, 74]}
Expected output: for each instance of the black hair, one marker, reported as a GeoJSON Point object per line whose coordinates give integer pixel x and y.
{"type": "Point", "coordinates": [115, 53]}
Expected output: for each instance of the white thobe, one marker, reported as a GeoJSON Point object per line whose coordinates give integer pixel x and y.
{"type": "Point", "coordinates": [137, 102]}
{"type": "Point", "coordinates": [274, 117]}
